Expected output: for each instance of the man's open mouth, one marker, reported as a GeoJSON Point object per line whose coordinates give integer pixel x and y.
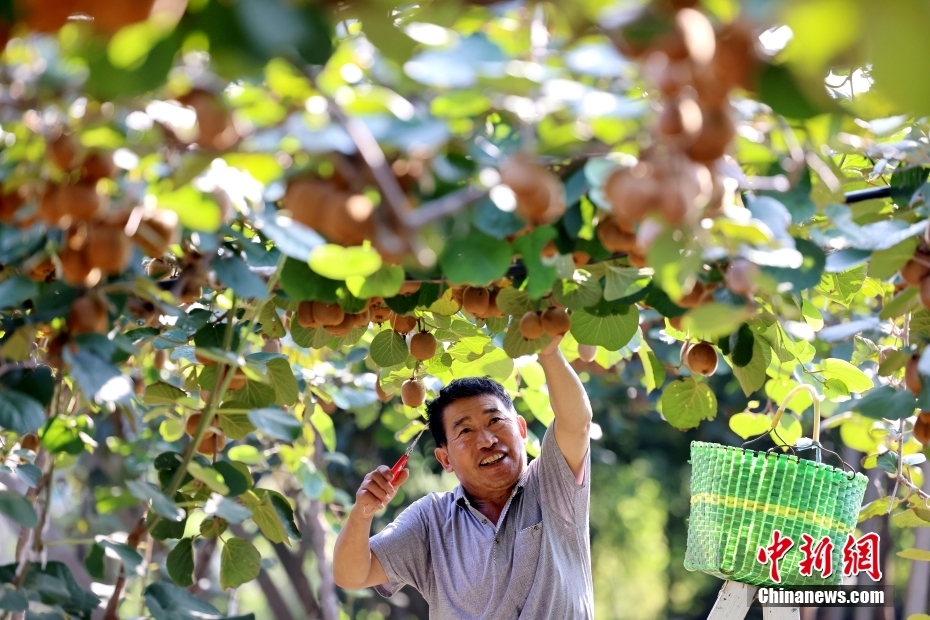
{"type": "Point", "coordinates": [492, 460]}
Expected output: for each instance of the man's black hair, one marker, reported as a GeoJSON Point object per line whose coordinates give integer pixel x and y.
{"type": "Point", "coordinates": [461, 388]}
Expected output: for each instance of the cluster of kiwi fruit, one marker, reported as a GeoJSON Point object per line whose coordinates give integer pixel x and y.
{"type": "Point", "coordinates": [539, 192]}
{"type": "Point", "coordinates": [479, 301]}
{"type": "Point", "coordinates": [693, 68]}
{"type": "Point", "coordinates": [213, 440]}
{"type": "Point", "coordinates": [554, 322]}
{"type": "Point", "coordinates": [216, 130]}
{"type": "Point", "coordinates": [914, 383]}
{"type": "Point", "coordinates": [329, 207]}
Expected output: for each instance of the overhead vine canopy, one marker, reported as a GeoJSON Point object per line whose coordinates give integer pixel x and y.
{"type": "Point", "coordinates": [225, 222]}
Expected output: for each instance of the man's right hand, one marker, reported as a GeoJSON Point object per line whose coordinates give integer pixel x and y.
{"type": "Point", "coordinates": [378, 490]}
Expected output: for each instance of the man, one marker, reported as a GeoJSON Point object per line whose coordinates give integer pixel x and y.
{"type": "Point", "coordinates": [511, 541]}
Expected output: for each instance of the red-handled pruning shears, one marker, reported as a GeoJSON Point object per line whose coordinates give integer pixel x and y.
{"type": "Point", "coordinates": [399, 465]}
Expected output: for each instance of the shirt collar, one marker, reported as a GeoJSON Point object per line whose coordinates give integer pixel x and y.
{"type": "Point", "coordinates": [460, 498]}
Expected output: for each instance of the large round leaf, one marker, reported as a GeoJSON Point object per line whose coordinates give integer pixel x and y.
{"type": "Point", "coordinates": [611, 332]}
{"type": "Point", "coordinates": [476, 259]}
{"type": "Point", "coordinates": [686, 403]}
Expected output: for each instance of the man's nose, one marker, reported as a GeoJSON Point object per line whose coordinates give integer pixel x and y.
{"type": "Point", "coordinates": [486, 438]}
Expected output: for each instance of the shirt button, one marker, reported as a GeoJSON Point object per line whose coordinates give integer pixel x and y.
{"type": "Point", "coordinates": [496, 541]}
{"type": "Point", "coordinates": [484, 521]}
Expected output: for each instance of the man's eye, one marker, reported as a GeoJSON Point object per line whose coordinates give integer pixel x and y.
{"type": "Point", "coordinates": [495, 420]}
{"type": "Point", "coordinates": [464, 430]}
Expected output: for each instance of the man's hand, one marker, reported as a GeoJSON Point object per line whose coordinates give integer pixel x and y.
{"type": "Point", "coordinates": [377, 490]}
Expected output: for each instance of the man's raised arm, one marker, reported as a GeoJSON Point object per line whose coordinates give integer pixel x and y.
{"type": "Point", "coordinates": [571, 407]}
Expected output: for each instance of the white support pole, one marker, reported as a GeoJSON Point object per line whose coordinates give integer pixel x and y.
{"type": "Point", "coordinates": [733, 601]}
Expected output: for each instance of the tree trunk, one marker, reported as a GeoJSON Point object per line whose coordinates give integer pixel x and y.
{"type": "Point", "coordinates": [295, 572]}
{"type": "Point", "coordinates": [329, 600]}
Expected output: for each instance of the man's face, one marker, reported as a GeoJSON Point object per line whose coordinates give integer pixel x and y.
{"type": "Point", "coordinates": [484, 444]}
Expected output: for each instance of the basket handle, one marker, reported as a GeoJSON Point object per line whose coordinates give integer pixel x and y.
{"type": "Point", "coordinates": [814, 397]}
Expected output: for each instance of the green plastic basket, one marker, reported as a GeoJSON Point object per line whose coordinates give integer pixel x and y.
{"type": "Point", "coordinates": [740, 497]}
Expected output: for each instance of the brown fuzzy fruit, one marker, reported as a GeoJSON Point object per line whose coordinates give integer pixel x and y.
{"type": "Point", "coordinates": [343, 328]}
{"type": "Point", "coordinates": [215, 128]}
{"type": "Point", "coordinates": [475, 300]}
{"type": "Point", "coordinates": [29, 441]}
{"type": "Point", "coordinates": [531, 325]}
{"type": "Point", "coordinates": [361, 319]}
{"type": "Point", "coordinates": [159, 269]}
{"type": "Point", "coordinates": [98, 165]}
{"type": "Point", "coordinates": [702, 359]}
{"type": "Point", "coordinates": [193, 422]}
{"type": "Point", "coordinates": [211, 443]}
{"type": "Point", "coordinates": [203, 359]}
{"type": "Point", "coordinates": [614, 239]}
{"type": "Point", "coordinates": [694, 297]}
{"type": "Point", "coordinates": [556, 322]}
{"type": "Point", "coordinates": [580, 258]}
{"type": "Point", "coordinates": [304, 197]}
{"type": "Point", "coordinates": [742, 277]}
{"type": "Point", "coordinates": [632, 192]}
{"type": "Point", "coordinates": [80, 202]}
{"type": "Point", "coordinates": [328, 315]}
{"type": "Point", "coordinates": [305, 315]}
{"type": "Point", "coordinates": [413, 393]}
{"type": "Point", "coordinates": [916, 269]}
{"type": "Point", "coordinates": [9, 205]}
{"type": "Point", "coordinates": [88, 315]}
{"type": "Point", "coordinates": [409, 288]}
{"type": "Point", "coordinates": [922, 430]}
{"type": "Point", "coordinates": [493, 310]}
{"type": "Point", "coordinates": [159, 359]}
{"type": "Point", "coordinates": [717, 130]}
{"type": "Point", "coordinates": [911, 375]}
{"type": "Point", "coordinates": [587, 352]}
{"type": "Point", "coordinates": [157, 230]}
{"type": "Point", "coordinates": [108, 249]}
{"type": "Point", "coordinates": [238, 381]}
{"type": "Point", "coordinates": [112, 15]}
{"type": "Point", "coordinates": [403, 324]}
{"type": "Point", "coordinates": [380, 314]}
{"type": "Point", "coordinates": [63, 151]}
{"type": "Point", "coordinates": [423, 346]}
{"type": "Point", "coordinates": [925, 291]}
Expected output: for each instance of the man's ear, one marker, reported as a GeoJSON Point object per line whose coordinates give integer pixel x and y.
{"type": "Point", "coordinates": [521, 424]}
{"type": "Point", "coordinates": [442, 455]}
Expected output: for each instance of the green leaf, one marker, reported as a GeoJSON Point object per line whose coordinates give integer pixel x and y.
{"type": "Point", "coordinates": [875, 508]}
{"type": "Point", "coordinates": [779, 89]}
{"type": "Point", "coordinates": [653, 369]}
{"type": "Point", "coordinates": [283, 381]}
{"type": "Point", "coordinates": [539, 276]}
{"type": "Point", "coordinates": [812, 315]}
{"type": "Point", "coordinates": [475, 259]}
{"type": "Point", "coordinates": [835, 390]}
{"type": "Point", "coordinates": [324, 426]}
{"type": "Point", "coordinates": [516, 345]}
{"type": "Point", "coordinates": [894, 361]}
{"type": "Point", "coordinates": [196, 210]}
{"type": "Point", "coordinates": [855, 379]}
{"type": "Point", "coordinates": [748, 425]}
{"type": "Point", "coordinates": [180, 563]}
{"type": "Point", "coordinates": [277, 28]}
{"type": "Point", "coordinates": [234, 273]}
{"type": "Point", "coordinates": [906, 301]}
{"type": "Point", "coordinates": [161, 393]}
{"type": "Point", "coordinates": [272, 326]}
{"type": "Point", "coordinates": [886, 263]}
{"type": "Point", "coordinates": [909, 518]}
{"type": "Point", "coordinates": [255, 395]}
{"type": "Point", "coordinates": [808, 275]}
{"type": "Point", "coordinates": [493, 363]}
{"type": "Point", "coordinates": [235, 425]}
{"type": "Point", "coordinates": [265, 517]}
{"type": "Point", "coordinates": [13, 600]}
{"type": "Point", "coordinates": [842, 287]}
{"type": "Point", "coordinates": [18, 508]}
{"type": "Point", "coordinates": [302, 283]}
{"type": "Point", "coordinates": [167, 601]}
{"type": "Point", "coordinates": [886, 402]}
{"type": "Point", "coordinates": [15, 290]}
{"type": "Point", "coordinates": [711, 320]}
{"type": "Point", "coordinates": [512, 300]}
{"type": "Point", "coordinates": [620, 282]}
{"type": "Point", "coordinates": [751, 377]}
{"type": "Point", "coordinates": [285, 511]}
{"type": "Point", "coordinates": [685, 403]}
{"type": "Point", "coordinates": [611, 332]}
{"type": "Point", "coordinates": [778, 391]}
{"type": "Point", "coordinates": [583, 291]}
{"type": "Point", "coordinates": [236, 475]}
{"type": "Point", "coordinates": [240, 562]}
{"type": "Point", "coordinates": [919, 555]}
{"type": "Point", "coordinates": [107, 81]}
{"type": "Point", "coordinates": [385, 282]}
{"type": "Point", "coordinates": [276, 423]}
{"type": "Point", "coordinates": [388, 348]}
{"type": "Point", "coordinates": [209, 476]}
{"type": "Point", "coordinates": [20, 413]}
{"type": "Point", "coordinates": [742, 346]}
{"type": "Point", "coordinates": [338, 263]}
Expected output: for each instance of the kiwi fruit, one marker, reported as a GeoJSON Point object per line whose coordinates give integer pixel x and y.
{"type": "Point", "coordinates": [409, 287]}
{"type": "Point", "coordinates": [193, 421]}
{"type": "Point", "coordinates": [717, 131]}
{"type": "Point", "coordinates": [29, 441]}
{"type": "Point", "coordinates": [45, 15]}
{"type": "Point", "coordinates": [9, 204]}
{"type": "Point", "coordinates": [380, 314]}
{"type": "Point", "coordinates": [531, 325]}
{"type": "Point", "coordinates": [64, 151]}
{"type": "Point", "coordinates": [612, 238]}
{"type": "Point", "coordinates": [632, 192]}
{"type": "Point", "coordinates": [694, 297]}
{"type": "Point", "coordinates": [413, 393]}
{"type": "Point", "coordinates": [344, 327]}
{"type": "Point", "coordinates": [702, 359]}
{"type": "Point", "coordinates": [912, 379]}
{"type": "Point", "coordinates": [382, 395]}
{"type": "Point", "coordinates": [362, 318]}
{"type": "Point", "coordinates": [159, 359]}
{"type": "Point", "coordinates": [98, 165]}
{"type": "Point", "coordinates": [741, 277]}
{"type": "Point", "coordinates": [403, 324]}
{"type": "Point", "coordinates": [215, 128]}
{"type": "Point", "coordinates": [697, 34]}
{"type": "Point", "coordinates": [50, 206]}
{"type": "Point", "coordinates": [212, 443]}
{"type": "Point", "coordinates": [304, 197]}
{"type": "Point", "coordinates": [916, 269]}
{"type": "Point", "coordinates": [587, 352]}
{"type": "Point", "coordinates": [238, 381]}
{"type": "Point", "coordinates": [580, 258]}
{"type": "Point", "coordinates": [328, 315]}
{"type": "Point", "coordinates": [113, 15]}
{"type": "Point", "coordinates": [423, 346]}
{"type": "Point", "coordinates": [203, 359]}
{"type": "Point", "coordinates": [305, 315]}
{"type": "Point", "coordinates": [922, 429]}
{"type": "Point", "coordinates": [925, 292]}
{"type": "Point", "coordinates": [79, 202]}
{"type": "Point", "coordinates": [108, 249]}
{"type": "Point", "coordinates": [636, 259]}
{"type": "Point", "coordinates": [673, 203]}
{"type": "Point", "coordinates": [556, 322]}
{"type": "Point", "coordinates": [493, 310]}
{"type": "Point", "coordinates": [475, 300]}
{"type": "Point", "coordinates": [88, 315]}
{"type": "Point", "coordinates": [156, 231]}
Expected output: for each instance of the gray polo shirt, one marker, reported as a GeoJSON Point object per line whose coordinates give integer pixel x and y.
{"type": "Point", "coordinates": [534, 564]}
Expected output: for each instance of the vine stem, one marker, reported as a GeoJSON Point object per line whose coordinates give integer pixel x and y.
{"type": "Point", "coordinates": [215, 397]}
{"type": "Point", "coordinates": [814, 397]}
{"type": "Point", "coordinates": [900, 473]}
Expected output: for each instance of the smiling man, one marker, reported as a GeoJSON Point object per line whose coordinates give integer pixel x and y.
{"type": "Point", "coordinates": [511, 541]}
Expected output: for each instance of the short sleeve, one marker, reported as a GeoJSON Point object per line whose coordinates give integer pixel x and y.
{"type": "Point", "coordinates": [402, 547]}
{"type": "Point", "coordinates": [559, 491]}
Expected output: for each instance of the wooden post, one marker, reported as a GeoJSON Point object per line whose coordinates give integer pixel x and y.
{"type": "Point", "coordinates": [735, 599]}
